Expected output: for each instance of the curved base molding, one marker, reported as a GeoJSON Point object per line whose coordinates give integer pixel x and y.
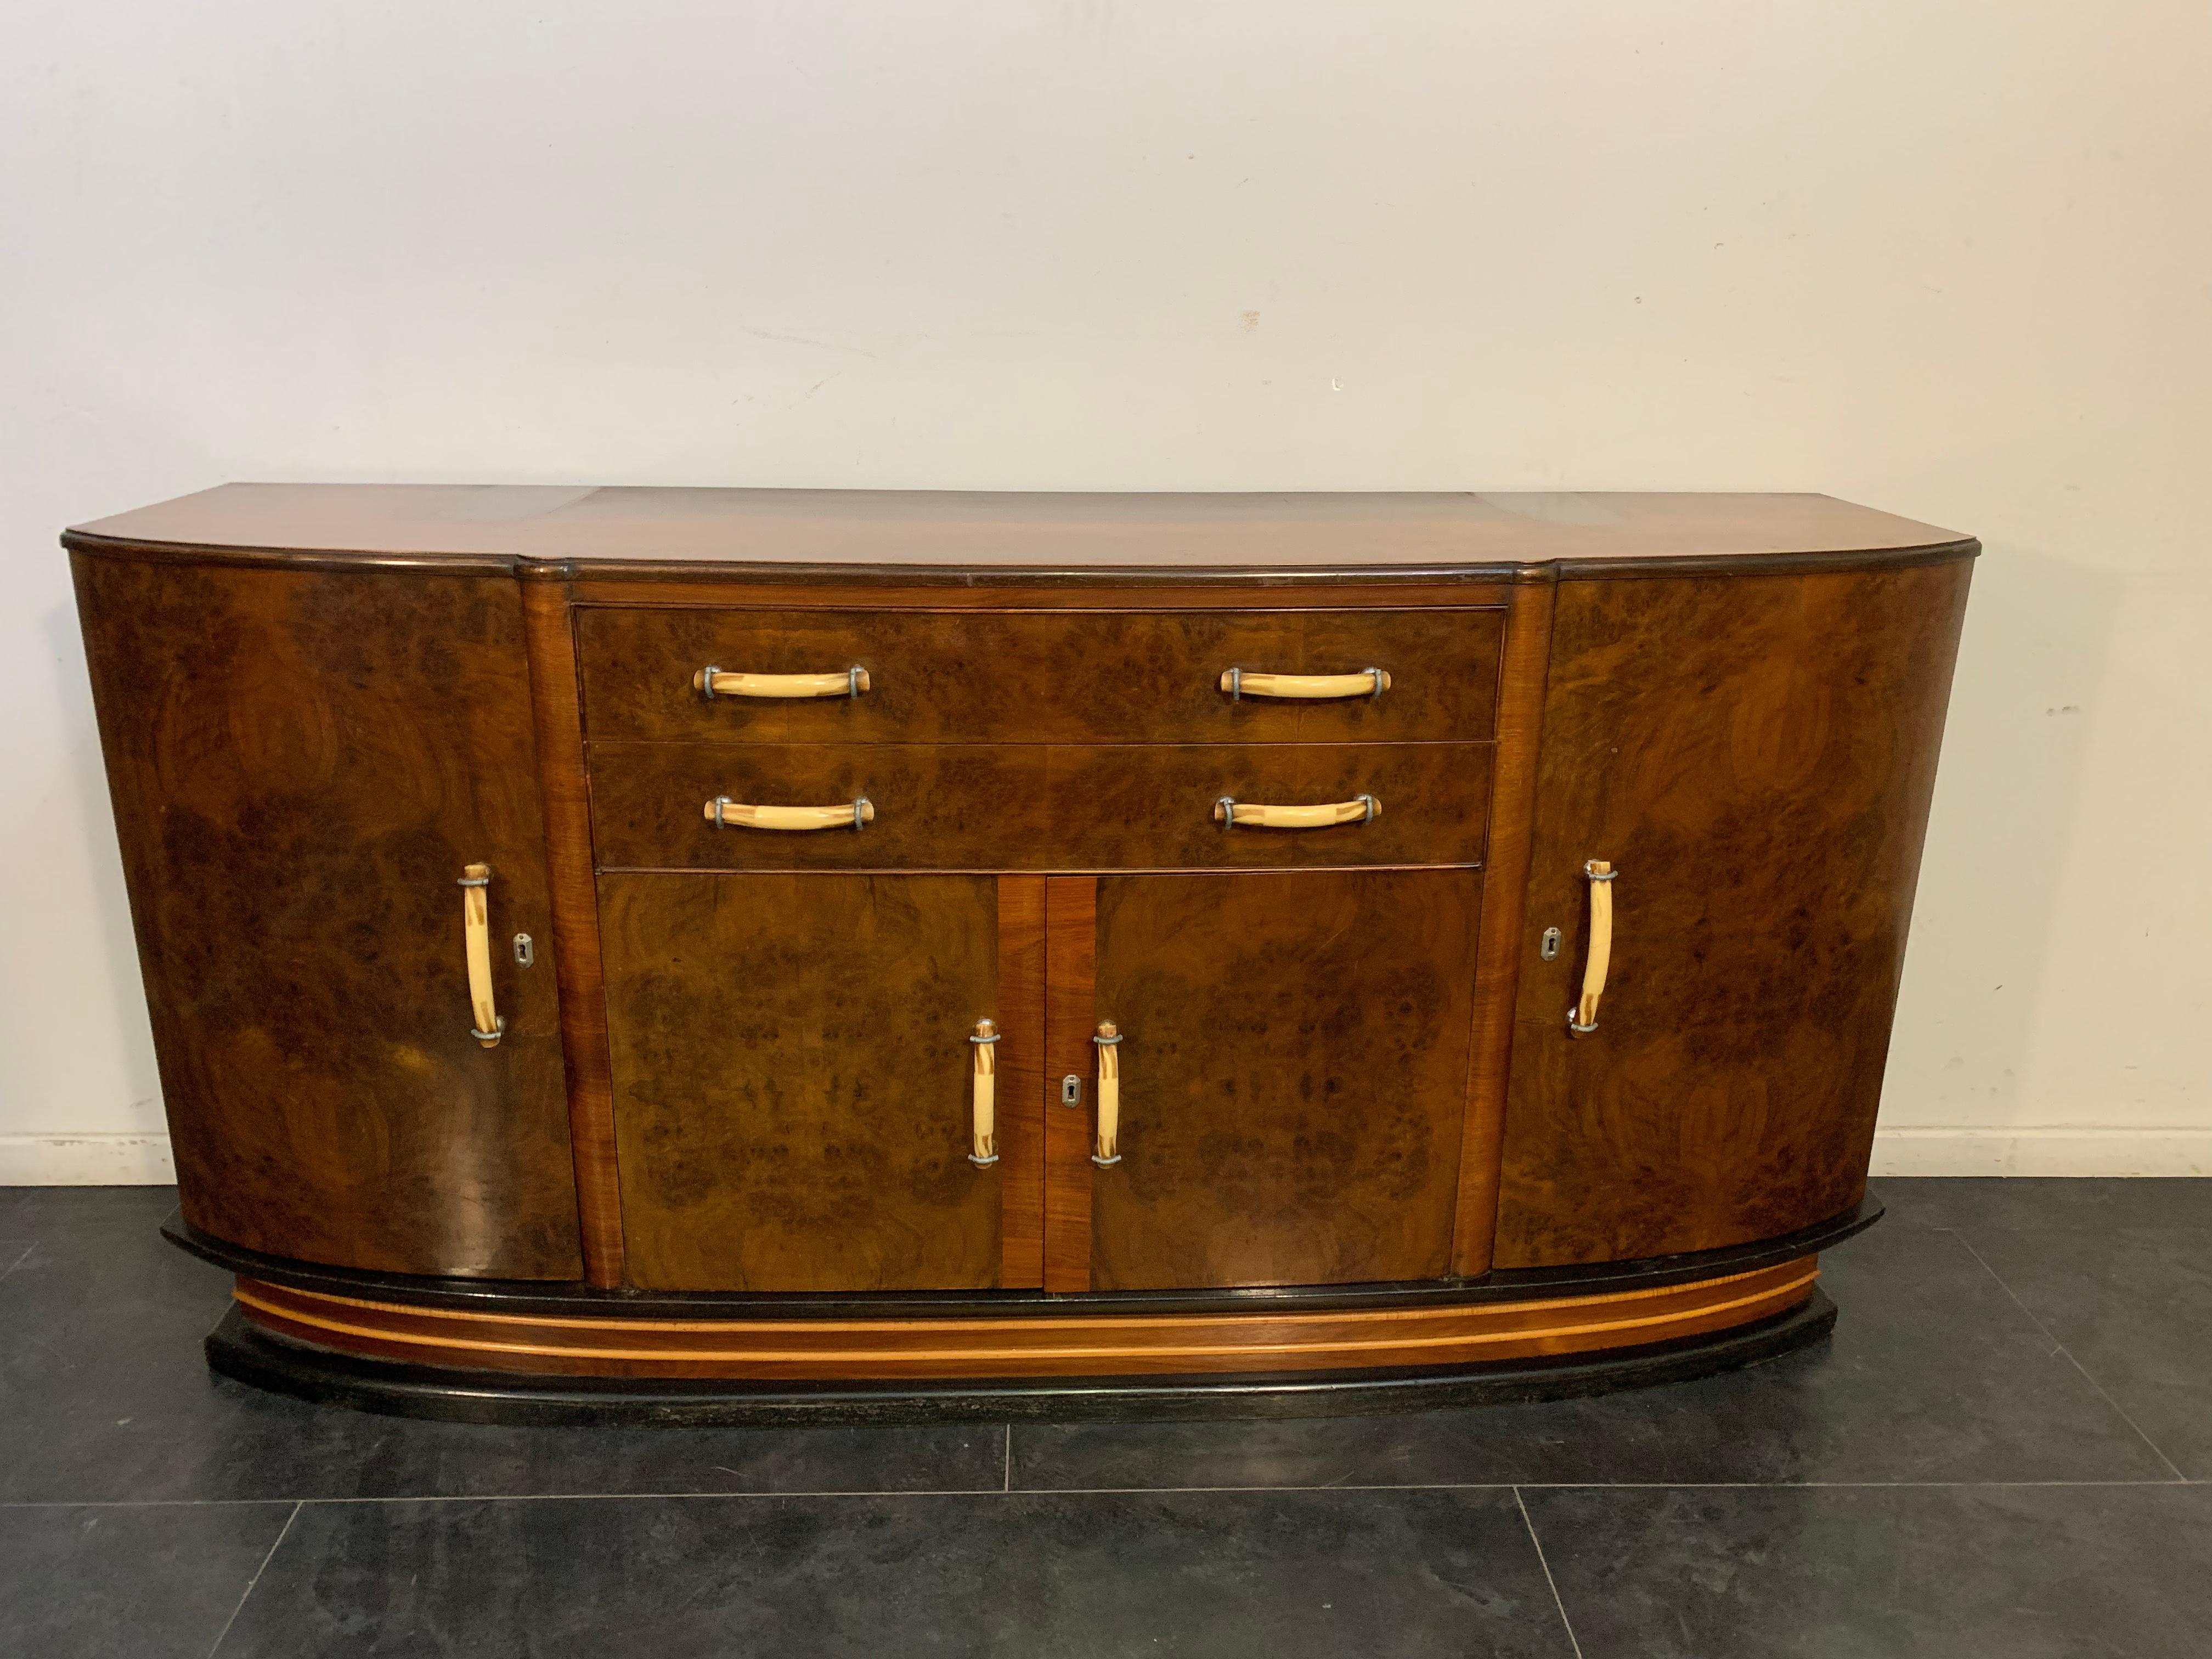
{"type": "Point", "coordinates": [505, 1367]}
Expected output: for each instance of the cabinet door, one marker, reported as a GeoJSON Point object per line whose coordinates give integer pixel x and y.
{"type": "Point", "coordinates": [1755, 757]}
{"type": "Point", "coordinates": [794, 1081]}
{"type": "Point", "coordinates": [302, 765]}
{"type": "Point", "coordinates": [1293, 1072]}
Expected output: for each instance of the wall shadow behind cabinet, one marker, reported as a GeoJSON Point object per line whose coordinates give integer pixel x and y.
{"type": "Point", "coordinates": [1294, 1069]}
{"type": "Point", "coordinates": [1756, 755]}
{"type": "Point", "coordinates": [302, 765]}
{"type": "Point", "coordinates": [794, 1080]}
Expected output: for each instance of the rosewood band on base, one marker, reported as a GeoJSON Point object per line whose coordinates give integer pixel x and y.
{"type": "Point", "coordinates": [490, 1354]}
{"type": "Point", "coordinates": [1074, 1345]}
{"type": "Point", "coordinates": [980, 955]}
{"type": "Point", "coordinates": [241, 1349]}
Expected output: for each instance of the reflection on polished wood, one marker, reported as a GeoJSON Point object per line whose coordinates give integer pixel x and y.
{"type": "Point", "coordinates": [953, 538]}
{"type": "Point", "coordinates": [1500, 948]}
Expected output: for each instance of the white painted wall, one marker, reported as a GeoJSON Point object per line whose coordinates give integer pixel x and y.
{"type": "Point", "coordinates": [1948, 259]}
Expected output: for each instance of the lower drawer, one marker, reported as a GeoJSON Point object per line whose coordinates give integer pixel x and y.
{"type": "Point", "coordinates": [980, 806]}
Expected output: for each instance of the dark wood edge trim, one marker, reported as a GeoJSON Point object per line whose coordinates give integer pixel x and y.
{"type": "Point", "coordinates": [1054, 871]}
{"type": "Point", "coordinates": [241, 1349]}
{"type": "Point", "coordinates": [291, 558]}
{"type": "Point", "coordinates": [1765, 564]}
{"type": "Point", "coordinates": [717, 741]}
{"type": "Point", "coordinates": [742, 572]}
{"type": "Point", "coordinates": [738, 572]}
{"type": "Point", "coordinates": [1523, 674]}
{"type": "Point", "coordinates": [564, 794]}
{"type": "Point", "coordinates": [1141, 597]}
{"type": "Point", "coordinates": [524, 1296]}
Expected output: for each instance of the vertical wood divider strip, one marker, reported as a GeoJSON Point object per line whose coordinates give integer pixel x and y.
{"type": "Point", "coordinates": [557, 711]}
{"type": "Point", "coordinates": [1499, 952]}
{"type": "Point", "coordinates": [1070, 1020]}
{"type": "Point", "coordinates": [1021, 1080]}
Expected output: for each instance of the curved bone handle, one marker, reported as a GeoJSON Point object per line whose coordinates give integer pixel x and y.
{"type": "Point", "coordinates": [726, 814]}
{"type": "Point", "coordinates": [1360, 810]}
{"type": "Point", "coordinates": [1581, 1018]}
{"type": "Point", "coordinates": [1367, 682]}
{"type": "Point", "coordinates": [985, 1152]}
{"type": "Point", "coordinates": [713, 681]}
{"type": "Point", "coordinates": [1109, 1042]}
{"type": "Point", "coordinates": [476, 935]}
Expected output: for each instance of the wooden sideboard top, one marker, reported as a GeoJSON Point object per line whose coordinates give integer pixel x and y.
{"type": "Point", "coordinates": [848, 535]}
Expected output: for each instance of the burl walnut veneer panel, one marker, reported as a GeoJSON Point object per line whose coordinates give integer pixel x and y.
{"type": "Point", "coordinates": [792, 1079]}
{"type": "Point", "coordinates": [1294, 1061]}
{"type": "Point", "coordinates": [1756, 755]}
{"type": "Point", "coordinates": [302, 765]}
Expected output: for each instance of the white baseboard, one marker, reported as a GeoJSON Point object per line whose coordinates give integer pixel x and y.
{"type": "Point", "coordinates": [2056, 1151]}
{"type": "Point", "coordinates": [121, 1160]}
{"type": "Point", "coordinates": [85, 1161]}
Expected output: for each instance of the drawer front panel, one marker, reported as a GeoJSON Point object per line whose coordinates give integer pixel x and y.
{"type": "Point", "coordinates": [1153, 677]}
{"type": "Point", "coordinates": [1016, 807]}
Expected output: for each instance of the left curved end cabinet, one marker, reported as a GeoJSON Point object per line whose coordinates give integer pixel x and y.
{"type": "Point", "coordinates": [305, 765]}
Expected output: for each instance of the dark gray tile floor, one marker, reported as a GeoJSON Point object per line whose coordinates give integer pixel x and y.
{"type": "Point", "coordinates": [1998, 1454]}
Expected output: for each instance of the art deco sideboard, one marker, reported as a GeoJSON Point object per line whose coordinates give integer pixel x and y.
{"type": "Point", "coordinates": [697, 955]}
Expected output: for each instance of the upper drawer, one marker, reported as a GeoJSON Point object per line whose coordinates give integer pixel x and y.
{"type": "Point", "coordinates": [1059, 676]}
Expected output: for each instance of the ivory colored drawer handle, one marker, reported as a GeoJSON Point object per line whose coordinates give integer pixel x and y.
{"type": "Point", "coordinates": [1109, 1042]}
{"type": "Point", "coordinates": [726, 814]}
{"type": "Point", "coordinates": [1367, 682]}
{"type": "Point", "coordinates": [476, 935]}
{"type": "Point", "coordinates": [711, 681]}
{"type": "Point", "coordinates": [986, 1149]}
{"type": "Point", "coordinates": [1581, 1018]}
{"type": "Point", "coordinates": [1362, 808]}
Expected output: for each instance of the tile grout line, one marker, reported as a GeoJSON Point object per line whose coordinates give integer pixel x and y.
{"type": "Point", "coordinates": [1557, 1600]}
{"type": "Point", "coordinates": [1532, 1485]}
{"type": "Point", "coordinates": [1008, 1484]}
{"type": "Point", "coordinates": [1967, 1245]}
{"type": "Point", "coordinates": [283, 1532]}
{"type": "Point", "coordinates": [1098, 1492]}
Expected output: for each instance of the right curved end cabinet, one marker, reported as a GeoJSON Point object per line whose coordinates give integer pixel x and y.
{"type": "Point", "coordinates": [1753, 756]}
